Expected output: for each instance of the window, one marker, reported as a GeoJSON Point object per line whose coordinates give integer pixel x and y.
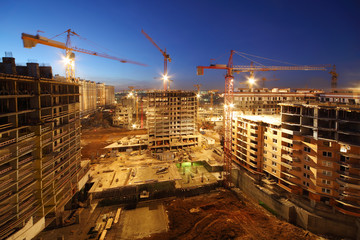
{"type": "Point", "coordinates": [307, 167]}
{"type": "Point", "coordinates": [274, 132]}
{"type": "Point", "coordinates": [265, 152]}
{"type": "Point", "coordinates": [264, 159]}
{"type": "Point", "coordinates": [274, 140]}
{"type": "Point", "coordinates": [307, 158]}
{"type": "Point", "coordinates": [327, 154]}
{"type": "Point", "coordinates": [265, 137]}
{"type": "Point", "coordinates": [274, 164]}
{"type": "Point", "coordinates": [327, 163]}
{"type": "Point", "coordinates": [265, 144]}
{"type": "Point", "coordinates": [326, 173]}
{"type": "Point", "coordinates": [308, 140]}
{"type": "Point", "coordinates": [307, 149]}
{"type": "Point", "coordinates": [273, 170]}
{"type": "Point", "coordinates": [328, 144]}
{"type": "Point", "coordinates": [274, 149]}
{"type": "Point", "coordinates": [326, 190]}
{"type": "Point", "coordinates": [274, 156]}
{"type": "Point", "coordinates": [305, 183]}
{"type": "Point", "coordinates": [306, 175]}
{"type": "Point", "coordinates": [325, 181]}
{"type": "Point", "coordinates": [264, 166]}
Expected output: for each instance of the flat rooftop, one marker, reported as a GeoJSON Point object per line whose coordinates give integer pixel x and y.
{"type": "Point", "coordinates": [270, 119]}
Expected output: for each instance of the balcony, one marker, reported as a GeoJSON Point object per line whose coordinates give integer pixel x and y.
{"type": "Point", "coordinates": [348, 185]}
{"type": "Point", "coordinates": [5, 157]}
{"type": "Point", "coordinates": [349, 175]}
{"type": "Point", "coordinates": [26, 136]}
{"type": "Point", "coordinates": [7, 142]}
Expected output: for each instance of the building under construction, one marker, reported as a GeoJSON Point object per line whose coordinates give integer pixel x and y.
{"type": "Point", "coordinates": [40, 167]}
{"type": "Point", "coordinates": [259, 101]}
{"type": "Point", "coordinates": [312, 150]}
{"type": "Point", "coordinates": [171, 120]}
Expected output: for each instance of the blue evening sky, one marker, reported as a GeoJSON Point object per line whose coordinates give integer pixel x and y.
{"type": "Point", "coordinates": [193, 32]}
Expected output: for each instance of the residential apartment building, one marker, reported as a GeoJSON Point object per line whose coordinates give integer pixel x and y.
{"type": "Point", "coordinates": [171, 119]}
{"type": "Point", "coordinates": [87, 97]}
{"type": "Point", "coordinates": [109, 95]}
{"type": "Point", "coordinates": [311, 149]}
{"type": "Point", "coordinates": [256, 143]}
{"type": "Point", "coordinates": [100, 94]}
{"type": "Point", "coordinates": [40, 167]}
{"type": "Point", "coordinates": [325, 153]}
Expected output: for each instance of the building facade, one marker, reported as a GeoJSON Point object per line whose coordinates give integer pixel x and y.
{"type": "Point", "coordinates": [311, 149]}
{"type": "Point", "coordinates": [100, 94]}
{"type": "Point", "coordinates": [264, 101]}
{"type": "Point", "coordinates": [40, 167]}
{"type": "Point", "coordinates": [87, 97]}
{"type": "Point", "coordinates": [171, 120]}
{"type": "Point", "coordinates": [109, 95]}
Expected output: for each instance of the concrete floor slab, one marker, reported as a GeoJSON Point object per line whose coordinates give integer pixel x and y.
{"type": "Point", "coordinates": [143, 221]}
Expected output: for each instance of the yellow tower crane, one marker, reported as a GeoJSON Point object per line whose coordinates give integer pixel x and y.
{"type": "Point", "coordinates": [31, 41]}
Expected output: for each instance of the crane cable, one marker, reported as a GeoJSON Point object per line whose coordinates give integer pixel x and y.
{"type": "Point", "coordinates": [265, 58]}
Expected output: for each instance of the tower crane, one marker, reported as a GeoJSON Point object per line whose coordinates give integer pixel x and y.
{"type": "Point", "coordinates": [166, 58]}
{"type": "Point", "coordinates": [229, 97]}
{"type": "Point", "coordinates": [133, 94]}
{"type": "Point", "coordinates": [334, 77]}
{"type": "Point", "coordinates": [198, 89]}
{"type": "Point", "coordinates": [31, 41]}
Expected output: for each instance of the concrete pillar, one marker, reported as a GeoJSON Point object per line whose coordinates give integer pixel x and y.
{"type": "Point", "coordinates": [312, 203]}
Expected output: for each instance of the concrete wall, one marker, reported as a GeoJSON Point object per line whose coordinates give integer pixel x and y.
{"type": "Point", "coordinates": [29, 231]}
{"type": "Point", "coordinates": [341, 225]}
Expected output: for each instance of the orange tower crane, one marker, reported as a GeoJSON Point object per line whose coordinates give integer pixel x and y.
{"type": "Point", "coordinates": [166, 58]}
{"type": "Point", "coordinates": [30, 41]}
{"type": "Point", "coordinates": [229, 98]}
{"type": "Point", "coordinates": [334, 77]}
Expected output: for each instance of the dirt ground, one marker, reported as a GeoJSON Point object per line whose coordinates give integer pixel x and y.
{"type": "Point", "coordinates": [223, 215]}
{"type": "Point", "coordinates": [93, 140]}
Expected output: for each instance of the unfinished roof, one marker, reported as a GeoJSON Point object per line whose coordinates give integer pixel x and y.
{"type": "Point", "coordinates": [270, 119]}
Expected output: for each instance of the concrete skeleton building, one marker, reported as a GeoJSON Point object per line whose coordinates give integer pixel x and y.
{"type": "Point", "coordinates": [311, 149]}
{"type": "Point", "coordinates": [40, 167]}
{"type": "Point", "coordinates": [124, 111]}
{"type": "Point", "coordinates": [171, 120]}
{"type": "Point", "coordinates": [259, 101]}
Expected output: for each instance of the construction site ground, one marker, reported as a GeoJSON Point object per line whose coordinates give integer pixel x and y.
{"type": "Point", "coordinates": [217, 215]}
